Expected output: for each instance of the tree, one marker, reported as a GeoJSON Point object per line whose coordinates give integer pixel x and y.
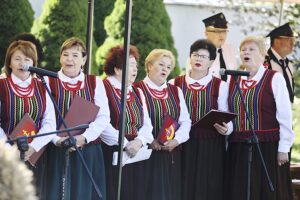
{"type": "Point", "coordinates": [151, 28]}
{"type": "Point", "coordinates": [16, 17]}
{"type": "Point", "coordinates": [59, 21]}
{"type": "Point", "coordinates": [102, 9]}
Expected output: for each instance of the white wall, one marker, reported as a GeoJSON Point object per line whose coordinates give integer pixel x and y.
{"type": "Point", "coordinates": [187, 25]}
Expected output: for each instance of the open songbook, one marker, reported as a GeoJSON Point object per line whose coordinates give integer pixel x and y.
{"type": "Point", "coordinates": [214, 116]}
{"type": "Point", "coordinates": [80, 112]}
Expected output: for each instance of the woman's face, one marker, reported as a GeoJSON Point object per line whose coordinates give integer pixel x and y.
{"type": "Point", "coordinates": [71, 61]}
{"type": "Point", "coordinates": [18, 59]}
{"type": "Point", "coordinates": [200, 60]}
{"type": "Point", "coordinates": [159, 70]}
{"type": "Point", "coordinates": [132, 71]}
{"type": "Point", "coordinates": [250, 55]}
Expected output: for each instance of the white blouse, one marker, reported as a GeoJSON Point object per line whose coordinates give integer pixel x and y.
{"type": "Point", "coordinates": [223, 94]}
{"type": "Point", "coordinates": [283, 108]}
{"type": "Point", "coordinates": [182, 134]}
{"type": "Point", "coordinates": [144, 133]}
{"type": "Point", "coordinates": [102, 120]}
{"type": "Point", "coordinates": [48, 122]}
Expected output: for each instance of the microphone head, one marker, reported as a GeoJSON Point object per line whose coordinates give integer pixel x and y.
{"type": "Point", "coordinates": [25, 67]}
{"type": "Point", "coordinates": [222, 71]}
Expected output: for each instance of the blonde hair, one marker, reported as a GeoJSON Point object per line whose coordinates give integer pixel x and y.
{"type": "Point", "coordinates": [259, 41]}
{"type": "Point", "coordinates": [15, 177]}
{"type": "Point", "coordinates": [27, 48]}
{"type": "Point", "coordinates": [156, 54]}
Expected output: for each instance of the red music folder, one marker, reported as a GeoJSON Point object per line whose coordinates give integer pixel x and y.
{"type": "Point", "coordinates": [214, 116]}
{"type": "Point", "coordinates": [80, 112]}
{"type": "Point", "coordinates": [168, 129]}
{"type": "Point", "coordinates": [27, 127]}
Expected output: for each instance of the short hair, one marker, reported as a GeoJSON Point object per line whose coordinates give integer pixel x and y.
{"type": "Point", "coordinates": [31, 38]}
{"type": "Point", "coordinates": [205, 45]}
{"type": "Point", "coordinates": [74, 42]}
{"type": "Point", "coordinates": [114, 58]}
{"type": "Point", "coordinates": [27, 48]}
{"type": "Point", "coordinates": [16, 179]}
{"type": "Point", "coordinates": [259, 41]}
{"type": "Point", "coordinates": [156, 54]}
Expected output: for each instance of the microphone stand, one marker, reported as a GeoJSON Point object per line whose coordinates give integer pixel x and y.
{"type": "Point", "coordinates": [253, 140]}
{"type": "Point", "coordinates": [73, 142]}
{"type": "Point", "coordinates": [22, 141]}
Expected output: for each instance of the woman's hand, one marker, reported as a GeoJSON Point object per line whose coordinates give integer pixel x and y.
{"type": "Point", "coordinates": [155, 145]}
{"type": "Point", "coordinates": [58, 142]}
{"type": "Point", "coordinates": [282, 158]}
{"type": "Point", "coordinates": [29, 153]}
{"type": "Point", "coordinates": [133, 147]}
{"type": "Point", "coordinates": [221, 128]}
{"type": "Point", "coordinates": [170, 145]}
{"type": "Point", "coordinates": [80, 142]}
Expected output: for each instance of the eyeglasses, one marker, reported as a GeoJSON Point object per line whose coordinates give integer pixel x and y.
{"type": "Point", "coordinates": [202, 57]}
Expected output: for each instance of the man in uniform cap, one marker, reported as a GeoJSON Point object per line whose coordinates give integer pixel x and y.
{"type": "Point", "coordinates": [282, 44]}
{"type": "Point", "coordinates": [216, 31]}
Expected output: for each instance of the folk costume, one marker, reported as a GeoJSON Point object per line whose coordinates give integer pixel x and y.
{"type": "Point", "coordinates": [77, 183]}
{"type": "Point", "coordinates": [204, 154]}
{"type": "Point", "coordinates": [19, 97]}
{"type": "Point", "coordinates": [163, 170]}
{"type": "Point", "coordinates": [269, 108]}
{"type": "Point", "coordinates": [137, 126]}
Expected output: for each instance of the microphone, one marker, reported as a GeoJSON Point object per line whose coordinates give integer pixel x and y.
{"type": "Point", "coordinates": [39, 71]}
{"type": "Point", "coordinates": [234, 72]}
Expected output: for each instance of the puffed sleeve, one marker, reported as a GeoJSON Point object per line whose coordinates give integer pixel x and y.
{"type": "Point", "coordinates": [48, 124]}
{"type": "Point", "coordinates": [182, 134]}
{"type": "Point", "coordinates": [223, 103]}
{"type": "Point", "coordinates": [283, 113]}
{"type": "Point", "coordinates": [102, 119]}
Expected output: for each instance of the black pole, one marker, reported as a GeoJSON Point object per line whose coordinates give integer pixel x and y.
{"type": "Point", "coordinates": [253, 140]}
{"type": "Point", "coordinates": [124, 90]}
{"type": "Point", "coordinates": [89, 36]}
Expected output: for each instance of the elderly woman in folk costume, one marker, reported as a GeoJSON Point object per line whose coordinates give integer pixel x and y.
{"type": "Point", "coordinates": [138, 128]}
{"type": "Point", "coordinates": [268, 104]}
{"type": "Point", "coordinates": [164, 166]}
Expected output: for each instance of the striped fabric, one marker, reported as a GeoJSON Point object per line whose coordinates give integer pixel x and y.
{"type": "Point", "coordinates": [64, 97]}
{"type": "Point", "coordinates": [199, 102]}
{"type": "Point", "coordinates": [14, 107]}
{"type": "Point", "coordinates": [261, 106]}
{"type": "Point", "coordinates": [134, 115]}
{"type": "Point", "coordinates": [157, 107]}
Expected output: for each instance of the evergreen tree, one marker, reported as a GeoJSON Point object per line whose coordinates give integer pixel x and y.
{"type": "Point", "coordinates": [16, 17]}
{"type": "Point", "coordinates": [102, 9]}
{"type": "Point", "coordinates": [151, 28]}
{"type": "Point", "coordinates": [60, 20]}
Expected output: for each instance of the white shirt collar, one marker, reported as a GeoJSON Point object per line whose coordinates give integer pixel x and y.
{"type": "Point", "coordinates": [65, 78]}
{"type": "Point", "coordinates": [153, 85]}
{"type": "Point", "coordinates": [203, 81]}
{"type": "Point", "coordinates": [20, 82]}
{"type": "Point", "coordinates": [260, 72]}
{"type": "Point", "coordinates": [116, 83]}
